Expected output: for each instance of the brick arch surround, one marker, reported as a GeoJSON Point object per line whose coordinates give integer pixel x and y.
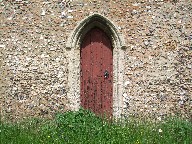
{"type": "Point", "coordinates": [73, 46]}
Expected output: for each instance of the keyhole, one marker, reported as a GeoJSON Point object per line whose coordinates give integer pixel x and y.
{"type": "Point", "coordinates": [106, 74]}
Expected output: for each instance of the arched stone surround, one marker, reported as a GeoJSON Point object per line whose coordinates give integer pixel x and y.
{"type": "Point", "coordinates": [73, 46]}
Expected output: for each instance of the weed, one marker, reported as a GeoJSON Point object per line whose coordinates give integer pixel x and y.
{"type": "Point", "coordinates": [84, 127]}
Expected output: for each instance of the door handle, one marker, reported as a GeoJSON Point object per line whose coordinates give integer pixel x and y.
{"type": "Point", "coordinates": [106, 74]}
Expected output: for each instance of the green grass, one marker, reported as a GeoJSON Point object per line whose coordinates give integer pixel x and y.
{"type": "Point", "coordinates": [84, 127]}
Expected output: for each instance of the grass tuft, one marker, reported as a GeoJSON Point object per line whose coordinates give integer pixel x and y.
{"type": "Point", "coordinates": [85, 127]}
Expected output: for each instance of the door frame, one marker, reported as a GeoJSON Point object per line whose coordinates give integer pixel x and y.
{"type": "Point", "coordinates": [73, 56]}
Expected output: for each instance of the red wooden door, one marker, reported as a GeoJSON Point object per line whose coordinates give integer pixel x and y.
{"type": "Point", "coordinates": [97, 72]}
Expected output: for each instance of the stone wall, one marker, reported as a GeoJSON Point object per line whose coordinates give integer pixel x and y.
{"type": "Point", "coordinates": [34, 61]}
{"type": "Point", "coordinates": [159, 59]}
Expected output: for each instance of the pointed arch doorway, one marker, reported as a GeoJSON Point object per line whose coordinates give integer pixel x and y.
{"type": "Point", "coordinates": [96, 72]}
{"type": "Point", "coordinates": [73, 46]}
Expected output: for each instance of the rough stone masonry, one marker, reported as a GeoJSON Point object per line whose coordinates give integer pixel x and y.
{"type": "Point", "coordinates": [35, 63]}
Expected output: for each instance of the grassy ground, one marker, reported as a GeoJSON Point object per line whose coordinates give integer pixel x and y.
{"type": "Point", "coordinates": [84, 127]}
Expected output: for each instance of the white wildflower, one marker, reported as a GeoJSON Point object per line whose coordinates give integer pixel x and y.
{"type": "Point", "coordinates": [160, 130]}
